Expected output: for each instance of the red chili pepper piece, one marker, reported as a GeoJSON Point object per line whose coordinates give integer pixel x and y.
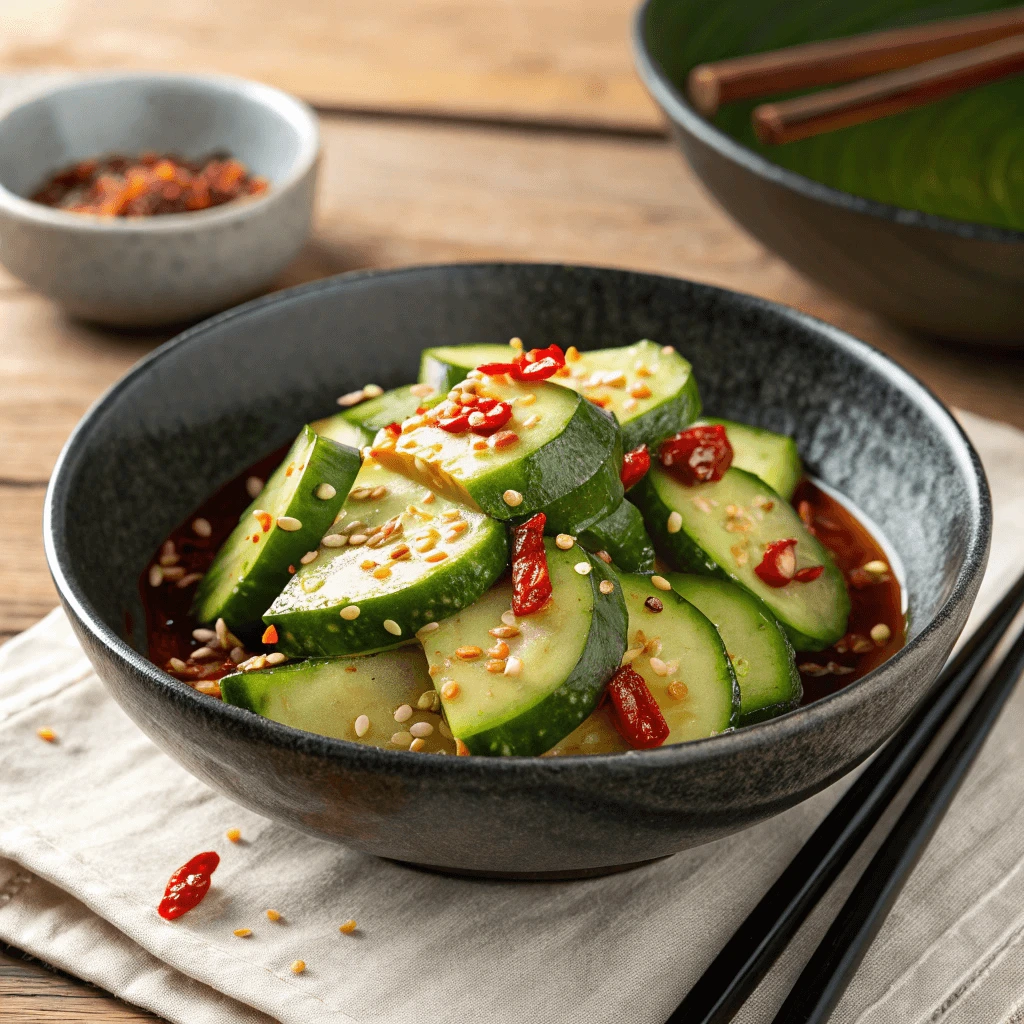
{"type": "Point", "coordinates": [188, 885]}
{"type": "Point", "coordinates": [778, 567]}
{"type": "Point", "coordinates": [457, 424]}
{"type": "Point", "coordinates": [542, 369]}
{"type": "Point", "coordinates": [535, 355]}
{"type": "Point", "coordinates": [637, 715]}
{"type": "Point", "coordinates": [635, 465]}
{"type": "Point", "coordinates": [270, 635]}
{"type": "Point", "coordinates": [531, 584]}
{"type": "Point", "coordinates": [699, 455]}
{"type": "Point", "coordinates": [496, 369]}
{"type": "Point", "coordinates": [809, 573]}
{"type": "Point", "coordinates": [494, 418]}
{"type": "Point", "coordinates": [394, 429]}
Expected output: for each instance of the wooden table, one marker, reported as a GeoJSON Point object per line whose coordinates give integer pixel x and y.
{"type": "Point", "coordinates": [453, 130]}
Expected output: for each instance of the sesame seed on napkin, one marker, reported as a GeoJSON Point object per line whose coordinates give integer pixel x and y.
{"type": "Point", "coordinates": [92, 825]}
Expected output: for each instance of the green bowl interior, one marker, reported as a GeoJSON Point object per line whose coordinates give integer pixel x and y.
{"type": "Point", "coordinates": [962, 157]}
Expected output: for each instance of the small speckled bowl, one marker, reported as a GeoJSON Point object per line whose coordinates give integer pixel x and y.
{"type": "Point", "coordinates": [159, 442]}
{"type": "Point", "coordinates": [147, 271]}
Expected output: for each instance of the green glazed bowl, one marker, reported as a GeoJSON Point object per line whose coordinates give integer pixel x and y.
{"type": "Point", "coordinates": [919, 216]}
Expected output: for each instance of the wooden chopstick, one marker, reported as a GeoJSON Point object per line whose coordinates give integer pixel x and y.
{"type": "Point", "coordinates": [745, 959]}
{"type": "Point", "coordinates": [842, 60]}
{"type": "Point", "coordinates": [835, 961]}
{"type": "Point", "coordinates": [891, 93]}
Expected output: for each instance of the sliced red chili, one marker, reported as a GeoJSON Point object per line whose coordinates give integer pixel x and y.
{"type": "Point", "coordinates": [188, 885]}
{"type": "Point", "coordinates": [635, 465]}
{"type": "Point", "coordinates": [698, 455]}
{"type": "Point", "coordinates": [542, 369]}
{"type": "Point", "coordinates": [637, 715]}
{"type": "Point", "coordinates": [457, 424]}
{"type": "Point", "coordinates": [496, 369]}
{"type": "Point", "coordinates": [394, 429]}
{"type": "Point", "coordinates": [270, 635]}
{"type": "Point", "coordinates": [535, 355]}
{"type": "Point", "coordinates": [809, 573]}
{"type": "Point", "coordinates": [531, 584]}
{"type": "Point", "coordinates": [778, 567]}
{"type": "Point", "coordinates": [494, 418]}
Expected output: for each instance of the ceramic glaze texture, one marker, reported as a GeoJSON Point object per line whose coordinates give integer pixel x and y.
{"type": "Point", "coordinates": [168, 434]}
{"type": "Point", "coordinates": [946, 277]}
{"type": "Point", "coordinates": [154, 270]}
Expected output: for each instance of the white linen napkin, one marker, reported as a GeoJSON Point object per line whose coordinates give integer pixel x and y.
{"type": "Point", "coordinates": [92, 826]}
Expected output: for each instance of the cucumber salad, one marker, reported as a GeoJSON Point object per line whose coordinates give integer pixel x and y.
{"type": "Point", "coordinates": [523, 553]}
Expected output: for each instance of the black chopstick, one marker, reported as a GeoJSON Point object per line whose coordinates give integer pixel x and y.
{"type": "Point", "coordinates": [834, 962]}
{"type": "Point", "coordinates": [757, 943]}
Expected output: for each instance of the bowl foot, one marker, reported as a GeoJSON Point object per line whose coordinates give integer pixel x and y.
{"type": "Point", "coordinates": [531, 876]}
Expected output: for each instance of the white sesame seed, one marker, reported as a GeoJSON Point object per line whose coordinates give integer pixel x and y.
{"type": "Point", "coordinates": [508, 617]}
{"type": "Point", "coordinates": [532, 420]}
{"type": "Point", "coordinates": [178, 665]}
{"type": "Point", "coordinates": [203, 635]}
{"type": "Point", "coordinates": [427, 628]}
{"type": "Point", "coordinates": [156, 575]}
{"type": "Point", "coordinates": [356, 540]}
{"type": "Point", "coordinates": [876, 567]}
{"type": "Point", "coordinates": [289, 523]}
{"type": "Point", "coordinates": [204, 654]}
{"type": "Point", "coordinates": [352, 398]}
{"type": "Point", "coordinates": [667, 350]}
{"type": "Point", "coordinates": [201, 527]}
{"type": "Point", "coordinates": [350, 612]}
{"type": "Point", "coordinates": [583, 568]}
{"type": "Point", "coordinates": [334, 540]}
{"type": "Point", "coordinates": [476, 419]}
{"type": "Point", "coordinates": [253, 486]}
{"type": "Point", "coordinates": [187, 581]}
{"type": "Point", "coordinates": [880, 633]}
{"type": "Point", "coordinates": [512, 498]}
{"type": "Point", "coordinates": [392, 627]}
{"type": "Point", "coordinates": [404, 713]}
{"type": "Point", "coordinates": [325, 492]}
{"type": "Point", "coordinates": [661, 583]}
{"type": "Point", "coordinates": [417, 745]}
{"type": "Point", "coordinates": [631, 655]}
{"type": "Point", "coordinates": [659, 667]}
{"type": "Point", "coordinates": [606, 586]}
{"type": "Point", "coordinates": [564, 542]}
{"type": "Point", "coordinates": [513, 666]}
{"type": "Point", "coordinates": [362, 726]}
{"type": "Point", "coordinates": [308, 557]}
{"type": "Point", "coordinates": [222, 633]}
{"type": "Point", "coordinates": [421, 729]}
{"type": "Point", "coordinates": [276, 658]}
{"type": "Point", "coordinates": [372, 391]}
{"type": "Point", "coordinates": [675, 522]}
{"type": "Point", "coordinates": [401, 739]}
{"type": "Point", "coordinates": [238, 655]}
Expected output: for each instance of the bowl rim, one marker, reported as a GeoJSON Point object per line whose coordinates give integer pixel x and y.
{"type": "Point", "coordinates": [675, 104]}
{"type": "Point", "coordinates": [762, 736]}
{"type": "Point", "coordinates": [289, 109]}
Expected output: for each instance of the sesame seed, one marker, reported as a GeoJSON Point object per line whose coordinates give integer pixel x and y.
{"type": "Point", "coordinates": [401, 739]}
{"type": "Point", "coordinates": [667, 350]}
{"type": "Point", "coordinates": [675, 522]}
{"type": "Point", "coordinates": [392, 627]}
{"type": "Point", "coordinates": [298, 966]}
{"type": "Point", "coordinates": [208, 687]}
{"type": "Point", "coordinates": [378, 492]}
{"type": "Point", "coordinates": [495, 665]}
{"type": "Point", "coordinates": [325, 492]}
{"type": "Point", "coordinates": [276, 658]}
{"type": "Point", "coordinates": [661, 583]}
{"type": "Point", "coordinates": [234, 834]}
{"type": "Point", "coordinates": [420, 729]}
{"type": "Point", "coordinates": [348, 927]}
{"type": "Point", "coordinates": [606, 586]}
{"type": "Point", "coordinates": [468, 652]}
{"type": "Point", "coordinates": [173, 572]}
{"type": "Point", "coordinates": [203, 635]}
{"type": "Point", "coordinates": [253, 486]}
{"type": "Point", "coordinates": [653, 604]}
{"type": "Point", "coordinates": [187, 581]}
{"type": "Point", "coordinates": [428, 627]}
{"type": "Point", "coordinates": [583, 568]}
{"type": "Point", "coordinates": [427, 498]}
{"type": "Point", "coordinates": [564, 542]}
{"type": "Point", "coordinates": [357, 539]}
{"type": "Point", "coordinates": [203, 654]}
{"type": "Point", "coordinates": [528, 399]}
{"type": "Point", "coordinates": [417, 745]}
{"type": "Point", "coordinates": [512, 498]}
{"type": "Point", "coordinates": [677, 690]}
{"type": "Point", "coordinates": [450, 690]}
{"type": "Point", "coordinates": [532, 420]}
{"type": "Point", "coordinates": [572, 354]}
{"type": "Point", "coordinates": [631, 655]}
{"type": "Point", "coordinates": [373, 391]}
{"type": "Point", "coordinates": [334, 540]}
{"type": "Point", "coordinates": [436, 556]}
{"type": "Point", "coordinates": [881, 633]}
{"type": "Point", "coordinates": [382, 573]}
{"type": "Point", "coordinates": [640, 391]}
{"type": "Point", "coordinates": [604, 556]}
{"type": "Point", "coordinates": [429, 701]}
{"type": "Point", "coordinates": [629, 405]}
{"type": "Point", "coordinates": [289, 523]}
{"type": "Point", "coordinates": [309, 556]}
{"type": "Point", "coordinates": [177, 665]}
{"type": "Point", "coordinates": [504, 632]}
{"type": "Point", "coordinates": [513, 666]}
{"type": "Point", "coordinates": [273, 915]}
{"type": "Point", "coordinates": [659, 667]}
{"type": "Point", "coordinates": [242, 933]}
{"type": "Point", "coordinates": [201, 527]}
{"type": "Point", "coordinates": [499, 650]}
{"type": "Point", "coordinates": [476, 419]}
{"type": "Point", "coordinates": [404, 713]}
{"type": "Point", "coordinates": [352, 398]}
{"type": "Point", "coordinates": [503, 439]}
{"type": "Point", "coordinates": [876, 567]}
{"type": "Point", "coordinates": [46, 734]}
{"type": "Point", "coordinates": [350, 612]}
{"type": "Point", "coordinates": [156, 575]}
{"type": "Point", "coordinates": [516, 343]}
{"type": "Point", "coordinates": [508, 617]}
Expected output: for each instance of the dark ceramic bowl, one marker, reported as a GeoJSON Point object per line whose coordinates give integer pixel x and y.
{"type": "Point", "coordinates": [205, 406]}
{"type": "Point", "coordinates": [946, 277]}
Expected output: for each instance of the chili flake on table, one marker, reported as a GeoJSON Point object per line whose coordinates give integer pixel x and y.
{"type": "Point", "coordinates": [148, 185]}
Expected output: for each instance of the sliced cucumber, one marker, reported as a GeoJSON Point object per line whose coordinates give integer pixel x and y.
{"type": "Point", "coordinates": [649, 389]}
{"type": "Point", "coordinates": [722, 530]}
{"type": "Point", "coordinates": [304, 493]}
{"type": "Point", "coordinates": [339, 429]}
{"type": "Point", "coordinates": [591, 502]}
{"type": "Point", "coordinates": [567, 441]}
{"type": "Point", "coordinates": [596, 734]}
{"type": "Point", "coordinates": [565, 653]}
{"type": "Point", "coordinates": [327, 695]}
{"type": "Point", "coordinates": [761, 653]}
{"type": "Point", "coordinates": [419, 587]}
{"type": "Point", "coordinates": [624, 536]}
{"type": "Point", "coordinates": [370, 416]}
{"type": "Point", "coordinates": [771, 457]}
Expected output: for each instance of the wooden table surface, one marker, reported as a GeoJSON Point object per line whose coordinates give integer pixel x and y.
{"type": "Point", "coordinates": [530, 140]}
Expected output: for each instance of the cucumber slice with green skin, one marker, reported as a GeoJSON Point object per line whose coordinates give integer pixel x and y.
{"type": "Point", "coordinates": [567, 442]}
{"type": "Point", "coordinates": [761, 653]}
{"type": "Point", "coordinates": [624, 536]}
{"type": "Point", "coordinates": [722, 530]}
{"type": "Point", "coordinates": [416, 590]}
{"type": "Point", "coordinates": [683, 644]}
{"type": "Point", "coordinates": [251, 568]}
{"type": "Point", "coordinates": [591, 502]}
{"type": "Point", "coordinates": [326, 696]}
{"type": "Point", "coordinates": [362, 421]}
{"type": "Point", "coordinates": [339, 429]}
{"type": "Point", "coordinates": [771, 457]}
{"type": "Point", "coordinates": [567, 653]}
{"type": "Point", "coordinates": [651, 389]}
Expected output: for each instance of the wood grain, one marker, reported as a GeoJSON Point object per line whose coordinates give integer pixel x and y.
{"type": "Point", "coordinates": [518, 60]}
{"type": "Point", "coordinates": [393, 193]}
